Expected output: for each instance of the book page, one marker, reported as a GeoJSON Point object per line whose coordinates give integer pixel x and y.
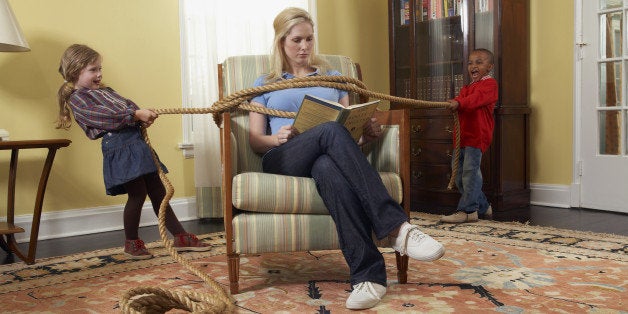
{"type": "Point", "coordinates": [313, 112]}
{"type": "Point", "coordinates": [355, 117]}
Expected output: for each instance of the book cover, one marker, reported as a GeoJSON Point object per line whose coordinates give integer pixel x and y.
{"type": "Point", "coordinates": [315, 110]}
{"type": "Point", "coordinates": [458, 7]}
{"type": "Point", "coordinates": [405, 12]}
{"type": "Point", "coordinates": [438, 9]}
{"type": "Point", "coordinates": [449, 8]}
{"type": "Point", "coordinates": [425, 8]}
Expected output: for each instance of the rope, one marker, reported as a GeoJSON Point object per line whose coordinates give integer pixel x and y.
{"type": "Point", "coordinates": [158, 300]}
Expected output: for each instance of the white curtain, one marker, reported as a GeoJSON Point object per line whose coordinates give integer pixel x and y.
{"type": "Point", "coordinates": [210, 32]}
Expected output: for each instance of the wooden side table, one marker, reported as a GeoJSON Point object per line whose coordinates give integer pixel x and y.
{"type": "Point", "coordinates": [8, 228]}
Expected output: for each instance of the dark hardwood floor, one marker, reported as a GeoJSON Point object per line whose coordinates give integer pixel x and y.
{"type": "Point", "coordinates": [565, 218]}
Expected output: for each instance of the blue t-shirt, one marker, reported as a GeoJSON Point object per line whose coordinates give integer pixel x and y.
{"type": "Point", "coordinates": [290, 99]}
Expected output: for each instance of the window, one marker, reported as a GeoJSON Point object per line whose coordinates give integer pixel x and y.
{"type": "Point", "coordinates": [210, 32]}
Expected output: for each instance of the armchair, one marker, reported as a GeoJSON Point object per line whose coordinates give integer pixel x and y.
{"type": "Point", "coordinates": [256, 220]}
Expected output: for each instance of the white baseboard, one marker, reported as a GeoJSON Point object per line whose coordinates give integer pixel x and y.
{"type": "Point", "coordinates": [108, 218]}
{"type": "Point", "coordinates": [94, 220]}
{"type": "Point", "coordinates": [553, 195]}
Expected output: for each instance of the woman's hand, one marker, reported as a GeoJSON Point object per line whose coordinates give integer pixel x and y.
{"type": "Point", "coordinates": [285, 133]}
{"type": "Point", "coordinates": [145, 116]}
{"type": "Point", "coordinates": [372, 130]}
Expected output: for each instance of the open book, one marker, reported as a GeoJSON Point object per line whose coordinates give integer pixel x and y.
{"type": "Point", "coordinates": [315, 110]}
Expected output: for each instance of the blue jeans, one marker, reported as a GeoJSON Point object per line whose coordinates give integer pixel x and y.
{"type": "Point", "coordinates": [351, 189]}
{"type": "Point", "coordinates": [469, 181]}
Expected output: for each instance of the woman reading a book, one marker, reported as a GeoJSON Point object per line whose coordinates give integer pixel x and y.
{"type": "Point", "coordinates": [350, 188]}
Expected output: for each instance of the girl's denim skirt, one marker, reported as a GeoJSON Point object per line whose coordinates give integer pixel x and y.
{"type": "Point", "coordinates": [126, 156]}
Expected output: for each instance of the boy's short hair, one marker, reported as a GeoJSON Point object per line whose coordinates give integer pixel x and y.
{"type": "Point", "coordinates": [487, 52]}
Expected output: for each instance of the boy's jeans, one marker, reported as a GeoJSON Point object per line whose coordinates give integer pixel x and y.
{"type": "Point", "coordinates": [469, 181]}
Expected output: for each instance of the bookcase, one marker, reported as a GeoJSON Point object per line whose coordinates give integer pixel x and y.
{"type": "Point", "coordinates": [429, 42]}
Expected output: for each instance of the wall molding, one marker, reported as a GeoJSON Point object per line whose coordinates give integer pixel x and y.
{"type": "Point", "coordinates": [69, 223]}
{"type": "Point", "coordinates": [554, 195]}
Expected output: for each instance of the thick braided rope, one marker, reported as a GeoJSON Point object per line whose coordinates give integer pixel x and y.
{"type": "Point", "coordinates": [158, 300]}
{"type": "Point", "coordinates": [240, 100]}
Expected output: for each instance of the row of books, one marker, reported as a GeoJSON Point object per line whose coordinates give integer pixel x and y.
{"type": "Point", "coordinates": [430, 9]}
{"type": "Point", "coordinates": [435, 88]}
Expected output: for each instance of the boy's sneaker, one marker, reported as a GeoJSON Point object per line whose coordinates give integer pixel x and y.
{"type": "Point", "coordinates": [365, 295]}
{"type": "Point", "coordinates": [189, 242]}
{"type": "Point", "coordinates": [416, 244]}
{"type": "Point", "coordinates": [488, 214]}
{"type": "Point", "coordinates": [136, 249]}
{"type": "Point", "coordinates": [460, 217]}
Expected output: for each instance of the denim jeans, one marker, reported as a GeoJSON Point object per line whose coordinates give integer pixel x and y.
{"type": "Point", "coordinates": [351, 189]}
{"type": "Point", "coordinates": [469, 181]}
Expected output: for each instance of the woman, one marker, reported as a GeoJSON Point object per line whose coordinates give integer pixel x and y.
{"type": "Point", "coordinates": [350, 188]}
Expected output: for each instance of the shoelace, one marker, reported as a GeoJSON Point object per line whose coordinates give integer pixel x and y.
{"type": "Point", "coordinates": [366, 286]}
{"type": "Point", "coordinates": [414, 233]}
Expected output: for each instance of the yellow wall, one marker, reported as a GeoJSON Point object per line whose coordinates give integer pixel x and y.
{"type": "Point", "coordinates": [551, 91]}
{"type": "Point", "coordinates": [139, 41]}
{"type": "Point", "coordinates": [359, 29]}
{"type": "Point", "coordinates": [142, 61]}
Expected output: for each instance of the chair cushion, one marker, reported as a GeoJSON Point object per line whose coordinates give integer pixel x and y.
{"type": "Point", "coordinates": [286, 233]}
{"type": "Point", "coordinates": [270, 193]}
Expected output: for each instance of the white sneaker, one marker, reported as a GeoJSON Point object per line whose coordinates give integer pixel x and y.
{"type": "Point", "coordinates": [416, 244]}
{"type": "Point", "coordinates": [365, 295]}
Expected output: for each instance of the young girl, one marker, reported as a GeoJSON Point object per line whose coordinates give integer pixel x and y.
{"type": "Point", "coordinates": [128, 166]}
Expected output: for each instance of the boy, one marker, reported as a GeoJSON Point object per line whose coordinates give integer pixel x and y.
{"type": "Point", "coordinates": [475, 105]}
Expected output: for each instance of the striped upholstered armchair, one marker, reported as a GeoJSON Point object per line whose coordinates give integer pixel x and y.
{"type": "Point", "coordinates": [273, 213]}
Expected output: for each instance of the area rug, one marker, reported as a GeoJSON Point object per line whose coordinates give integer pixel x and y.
{"type": "Point", "coordinates": [489, 266]}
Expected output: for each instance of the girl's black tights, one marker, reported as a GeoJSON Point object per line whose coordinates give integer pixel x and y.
{"type": "Point", "coordinates": [137, 190]}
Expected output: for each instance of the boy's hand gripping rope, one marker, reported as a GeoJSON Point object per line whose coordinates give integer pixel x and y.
{"type": "Point", "coordinates": [157, 300]}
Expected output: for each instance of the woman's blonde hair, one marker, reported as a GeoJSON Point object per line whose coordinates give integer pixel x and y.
{"type": "Point", "coordinates": [73, 61]}
{"type": "Point", "coordinates": [282, 24]}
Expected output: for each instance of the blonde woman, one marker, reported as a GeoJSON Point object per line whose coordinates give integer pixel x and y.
{"type": "Point", "coordinates": [351, 189]}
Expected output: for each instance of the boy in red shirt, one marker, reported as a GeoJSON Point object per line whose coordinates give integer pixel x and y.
{"type": "Point", "coordinates": [475, 105]}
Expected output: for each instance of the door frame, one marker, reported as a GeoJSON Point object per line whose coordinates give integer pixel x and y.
{"type": "Point", "coordinates": [575, 195]}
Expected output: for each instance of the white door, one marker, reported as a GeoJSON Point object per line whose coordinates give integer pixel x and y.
{"type": "Point", "coordinates": [604, 111]}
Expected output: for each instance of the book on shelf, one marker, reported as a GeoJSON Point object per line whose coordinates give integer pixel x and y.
{"type": "Point", "coordinates": [315, 110]}
{"type": "Point", "coordinates": [458, 7]}
{"type": "Point", "coordinates": [439, 87]}
{"type": "Point", "coordinates": [436, 9]}
{"type": "Point", "coordinates": [425, 8]}
{"type": "Point", "coordinates": [405, 12]}
{"type": "Point", "coordinates": [448, 8]}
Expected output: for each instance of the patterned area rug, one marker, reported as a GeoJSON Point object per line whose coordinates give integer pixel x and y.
{"type": "Point", "coordinates": [488, 267]}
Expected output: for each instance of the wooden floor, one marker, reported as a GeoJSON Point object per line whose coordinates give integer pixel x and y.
{"type": "Point", "coordinates": [573, 219]}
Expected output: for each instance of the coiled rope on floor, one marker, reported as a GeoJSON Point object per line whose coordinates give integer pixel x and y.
{"type": "Point", "coordinates": [158, 300]}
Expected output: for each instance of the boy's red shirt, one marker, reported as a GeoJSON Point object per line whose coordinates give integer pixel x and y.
{"type": "Point", "coordinates": [477, 102]}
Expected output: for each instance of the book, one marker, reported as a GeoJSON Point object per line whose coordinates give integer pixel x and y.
{"type": "Point", "coordinates": [448, 9]}
{"type": "Point", "coordinates": [405, 12]}
{"type": "Point", "coordinates": [425, 7]}
{"type": "Point", "coordinates": [315, 110]}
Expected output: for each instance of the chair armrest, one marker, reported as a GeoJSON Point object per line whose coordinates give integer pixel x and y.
{"type": "Point", "coordinates": [401, 119]}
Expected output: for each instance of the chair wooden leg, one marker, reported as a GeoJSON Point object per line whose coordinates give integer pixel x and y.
{"type": "Point", "coordinates": [234, 272]}
{"type": "Point", "coordinates": [402, 268]}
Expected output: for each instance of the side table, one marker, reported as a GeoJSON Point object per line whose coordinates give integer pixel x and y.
{"type": "Point", "coordinates": [8, 228]}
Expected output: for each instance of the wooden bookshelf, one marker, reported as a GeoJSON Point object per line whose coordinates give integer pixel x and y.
{"type": "Point", "coordinates": [428, 57]}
